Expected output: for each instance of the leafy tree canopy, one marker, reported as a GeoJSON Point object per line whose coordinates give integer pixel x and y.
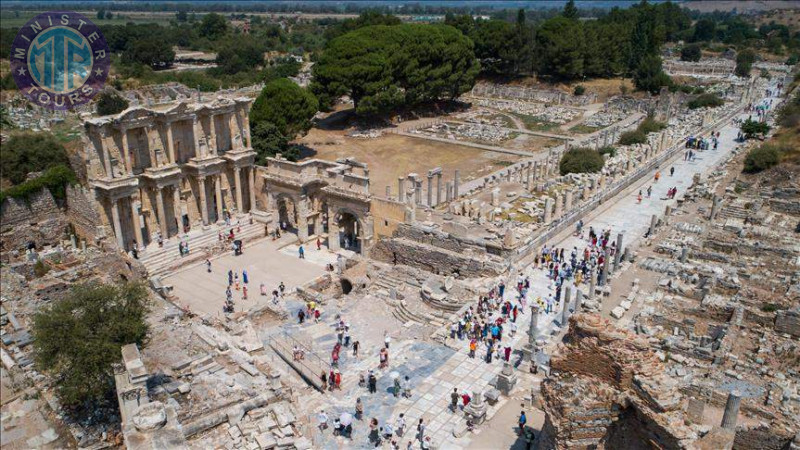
{"type": "Point", "coordinates": [77, 339]}
{"type": "Point", "coordinates": [268, 141]}
{"type": "Point", "coordinates": [152, 51]}
{"type": "Point", "coordinates": [691, 52]}
{"type": "Point", "coordinates": [239, 55]}
{"type": "Point", "coordinates": [30, 152]}
{"type": "Point", "coordinates": [384, 67]}
{"type": "Point", "coordinates": [285, 105]}
{"type": "Point", "coordinates": [213, 26]}
{"type": "Point", "coordinates": [109, 102]}
{"type": "Point", "coordinates": [649, 75]}
{"type": "Point", "coordinates": [581, 160]}
{"type": "Point", "coordinates": [744, 62]}
{"type": "Point", "coordinates": [751, 128]}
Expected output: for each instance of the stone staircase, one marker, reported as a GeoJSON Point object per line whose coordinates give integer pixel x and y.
{"type": "Point", "coordinates": [733, 211]}
{"type": "Point", "coordinates": [202, 245]}
{"type": "Point", "coordinates": [388, 281]}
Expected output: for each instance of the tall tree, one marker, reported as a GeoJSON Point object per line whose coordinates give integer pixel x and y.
{"type": "Point", "coordinates": [213, 26]}
{"type": "Point", "coordinates": [649, 75]}
{"type": "Point", "coordinates": [78, 339]}
{"type": "Point", "coordinates": [559, 44]}
{"type": "Point", "coordinates": [570, 10]}
{"type": "Point", "coordinates": [744, 62]}
{"type": "Point", "coordinates": [286, 105]}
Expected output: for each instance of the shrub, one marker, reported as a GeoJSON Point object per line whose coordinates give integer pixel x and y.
{"type": "Point", "coordinates": [40, 269]}
{"type": "Point", "coordinates": [55, 179]}
{"type": "Point", "coordinates": [29, 152]}
{"type": "Point", "coordinates": [651, 125]}
{"type": "Point", "coordinates": [581, 160]}
{"type": "Point", "coordinates": [706, 101]}
{"type": "Point", "coordinates": [691, 52]}
{"type": "Point", "coordinates": [752, 128]}
{"type": "Point", "coordinates": [792, 60]}
{"type": "Point", "coordinates": [579, 90]}
{"type": "Point", "coordinates": [632, 137]}
{"type": "Point", "coordinates": [744, 62]}
{"type": "Point", "coordinates": [608, 150]}
{"type": "Point", "coordinates": [761, 158]}
{"type": "Point", "coordinates": [77, 339]}
{"type": "Point", "coordinates": [769, 307]}
{"type": "Point", "coordinates": [109, 102]}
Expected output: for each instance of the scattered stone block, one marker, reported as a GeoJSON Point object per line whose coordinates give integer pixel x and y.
{"type": "Point", "coordinates": [617, 312]}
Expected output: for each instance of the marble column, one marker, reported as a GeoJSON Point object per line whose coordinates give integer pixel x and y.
{"type": "Point", "coordinates": [212, 135]}
{"type": "Point", "coordinates": [106, 157]}
{"type": "Point", "coordinates": [653, 223]}
{"type": "Point", "coordinates": [430, 190]}
{"type": "Point", "coordinates": [201, 182]}
{"type": "Point", "coordinates": [418, 192]}
{"type": "Point", "coordinates": [246, 133]}
{"type": "Point", "coordinates": [176, 203]}
{"type": "Point", "coordinates": [533, 331]}
{"type": "Point", "coordinates": [333, 231]}
{"type": "Point", "coordinates": [162, 216]}
{"type": "Point", "coordinates": [438, 188]}
{"type": "Point", "coordinates": [618, 252]}
{"type": "Point", "coordinates": [150, 149]}
{"type": "Point", "coordinates": [170, 144]}
{"type": "Point", "coordinates": [302, 220]}
{"type": "Point", "coordinates": [197, 129]}
{"type": "Point", "coordinates": [731, 414]}
{"type": "Point", "coordinates": [568, 201]}
{"type": "Point", "coordinates": [237, 178]}
{"type": "Point", "coordinates": [548, 210]}
{"type": "Point", "coordinates": [456, 181]}
{"type": "Point", "coordinates": [605, 267]}
{"type": "Point", "coordinates": [251, 189]}
{"type": "Point", "coordinates": [558, 207]}
{"type": "Point", "coordinates": [137, 223]}
{"type": "Point", "coordinates": [126, 154]}
{"type": "Point", "coordinates": [117, 224]}
{"type": "Point", "coordinates": [232, 125]}
{"type": "Point", "coordinates": [592, 282]}
{"type": "Point", "coordinates": [218, 194]}
{"type": "Point", "coordinates": [565, 303]}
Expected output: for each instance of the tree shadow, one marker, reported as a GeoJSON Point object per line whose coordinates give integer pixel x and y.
{"type": "Point", "coordinates": [304, 151]}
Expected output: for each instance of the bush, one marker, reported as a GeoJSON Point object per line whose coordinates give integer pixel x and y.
{"type": "Point", "coordinates": [706, 101]}
{"type": "Point", "coordinates": [581, 160]}
{"type": "Point", "coordinates": [691, 52]}
{"type": "Point", "coordinates": [267, 141]}
{"type": "Point", "coordinates": [651, 125]}
{"type": "Point", "coordinates": [77, 339]}
{"type": "Point", "coordinates": [792, 60]}
{"type": "Point", "coordinates": [55, 179]}
{"type": "Point", "coordinates": [40, 269]}
{"type": "Point", "coordinates": [579, 90]}
{"type": "Point", "coordinates": [286, 105]}
{"type": "Point", "coordinates": [752, 128]}
{"type": "Point", "coordinates": [109, 102]}
{"type": "Point", "coordinates": [632, 137]}
{"type": "Point", "coordinates": [649, 75]}
{"type": "Point", "coordinates": [238, 56]}
{"type": "Point", "coordinates": [282, 68]}
{"type": "Point", "coordinates": [744, 62]}
{"type": "Point", "coordinates": [608, 150]}
{"type": "Point", "coordinates": [761, 158]}
{"type": "Point", "coordinates": [29, 152]}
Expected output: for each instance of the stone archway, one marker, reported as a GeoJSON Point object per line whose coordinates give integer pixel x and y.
{"type": "Point", "coordinates": [287, 213]}
{"type": "Point", "coordinates": [348, 230]}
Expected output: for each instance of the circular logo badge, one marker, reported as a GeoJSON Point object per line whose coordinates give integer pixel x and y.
{"type": "Point", "coordinates": [60, 59]}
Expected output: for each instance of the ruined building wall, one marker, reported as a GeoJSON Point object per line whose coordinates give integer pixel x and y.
{"type": "Point", "coordinates": [82, 213]}
{"type": "Point", "coordinates": [38, 219]}
{"type": "Point", "coordinates": [760, 439]}
{"type": "Point", "coordinates": [437, 252]}
{"type": "Point", "coordinates": [388, 215]}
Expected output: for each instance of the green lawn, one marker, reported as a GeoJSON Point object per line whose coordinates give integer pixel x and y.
{"type": "Point", "coordinates": [16, 19]}
{"type": "Point", "coordinates": [533, 123]}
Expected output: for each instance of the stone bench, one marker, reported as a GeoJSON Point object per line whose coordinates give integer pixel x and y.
{"type": "Point", "coordinates": [492, 396]}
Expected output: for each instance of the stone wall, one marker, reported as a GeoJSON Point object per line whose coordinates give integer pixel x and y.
{"type": "Point", "coordinates": [433, 259]}
{"type": "Point", "coordinates": [761, 438]}
{"type": "Point", "coordinates": [788, 321]}
{"type": "Point", "coordinates": [82, 213]}
{"type": "Point", "coordinates": [39, 220]}
{"type": "Point", "coordinates": [387, 215]}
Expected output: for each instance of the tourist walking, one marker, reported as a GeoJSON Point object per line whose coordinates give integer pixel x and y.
{"type": "Point", "coordinates": [372, 383]}
{"type": "Point", "coordinates": [359, 409]}
{"type": "Point", "coordinates": [301, 252]}
{"type": "Point", "coordinates": [454, 400]}
{"type": "Point", "coordinates": [522, 421]}
{"type": "Point", "coordinates": [208, 266]}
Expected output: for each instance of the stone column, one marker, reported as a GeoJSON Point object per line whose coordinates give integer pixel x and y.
{"type": "Point", "coordinates": [137, 223]}
{"type": "Point", "coordinates": [150, 149]}
{"type": "Point", "coordinates": [618, 253]}
{"type": "Point", "coordinates": [592, 282]}
{"type": "Point", "coordinates": [667, 213]}
{"type": "Point", "coordinates": [333, 231]}
{"type": "Point", "coordinates": [302, 220]}
{"type": "Point", "coordinates": [170, 144]}
{"type": "Point", "coordinates": [684, 254]}
{"type": "Point", "coordinates": [162, 216]}
{"type": "Point", "coordinates": [438, 188]}
{"type": "Point", "coordinates": [496, 197]}
{"type": "Point", "coordinates": [731, 413]}
{"type": "Point", "coordinates": [212, 135]}
{"type": "Point", "coordinates": [201, 182]}
{"type": "Point", "coordinates": [237, 178]}
{"type": "Point", "coordinates": [106, 157]}
{"type": "Point", "coordinates": [715, 202]}
{"type": "Point", "coordinates": [568, 201]}
{"type": "Point", "coordinates": [565, 309]}
{"type": "Point", "coordinates": [176, 204]}
{"type": "Point", "coordinates": [533, 331]}
{"type": "Point", "coordinates": [548, 210]}
{"type": "Point", "coordinates": [456, 182]}
{"type": "Point", "coordinates": [449, 195]}
{"type": "Point", "coordinates": [218, 193]}
{"type": "Point", "coordinates": [197, 129]}
{"type": "Point", "coordinates": [401, 189]}
{"type": "Point", "coordinates": [126, 154]}
{"type": "Point", "coordinates": [418, 192]}
{"type": "Point", "coordinates": [653, 222]}
{"type": "Point", "coordinates": [605, 269]}
{"type": "Point", "coordinates": [430, 190]}
{"type": "Point", "coordinates": [388, 191]}
{"type": "Point", "coordinates": [117, 224]}
{"type": "Point", "coordinates": [232, 125]}
{"type": "Point", "coordinates": [246, 133]}
{"type": "Point", "coordinates": [558, 207]}
{"type": "Point", "coordinates": [251, 189]}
